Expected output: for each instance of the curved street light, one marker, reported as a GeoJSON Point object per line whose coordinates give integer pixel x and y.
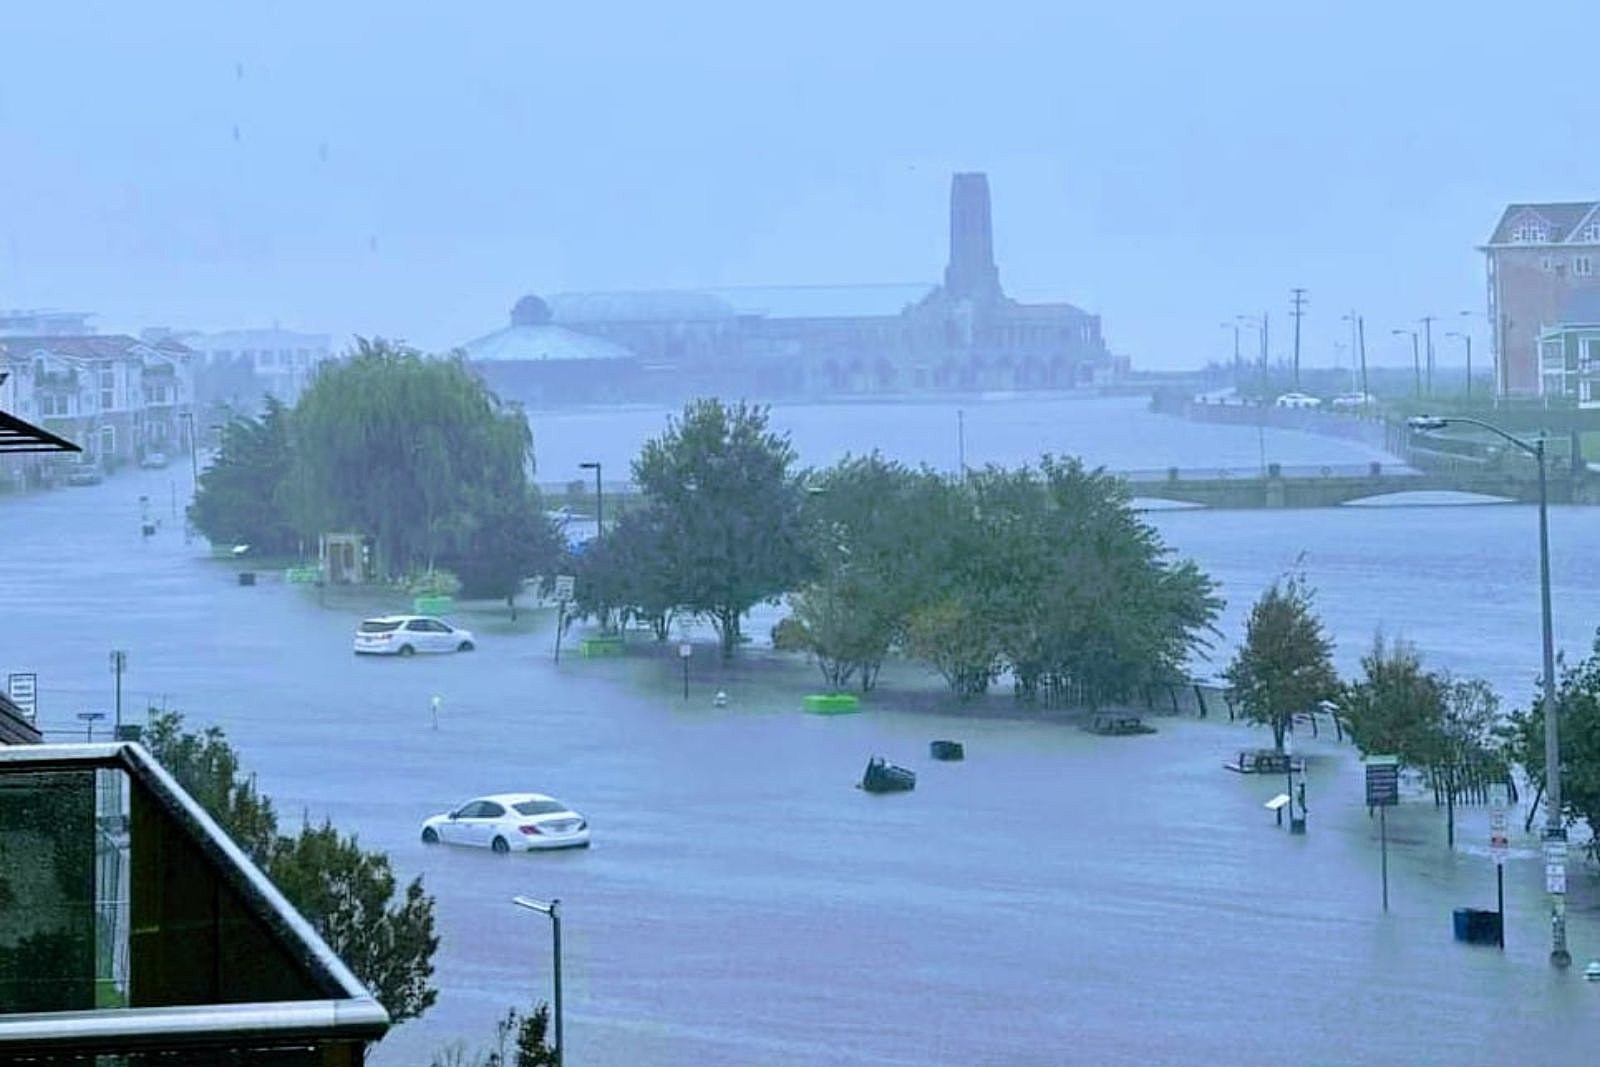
{"type": "Point", "coordinates": [1555, 831]}
{"type": "Point", "coordinates": [552, 909]}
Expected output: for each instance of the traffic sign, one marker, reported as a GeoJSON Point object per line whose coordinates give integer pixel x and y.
{"type": "Point", "coordinates": [1555, 866]}
{"type": "Point", "coordinates": [564, 586]}
{"type": "Point", "coordinates": [23, 689]}
{"type": "Point", "coordinates": [1383, 781]}
{"type": "Point", "coordinates": [1499, 838]}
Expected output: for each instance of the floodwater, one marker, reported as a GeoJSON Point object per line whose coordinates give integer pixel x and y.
{"type": "Point", "coordinates": [1118, 433]}
{"type": "Point", "coordinates": [1058, 898]}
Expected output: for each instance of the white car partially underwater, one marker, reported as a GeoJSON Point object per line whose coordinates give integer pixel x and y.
{"type": "Point", "coordinates": [509, 822]}
{"type": "Point", "coordinates": [405, 635]}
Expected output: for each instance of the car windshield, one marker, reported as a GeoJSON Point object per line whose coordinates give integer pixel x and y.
{"type": "Point", "coordinates": [539, 807]}
{"type": "Point", "coordinates": [378, 626]}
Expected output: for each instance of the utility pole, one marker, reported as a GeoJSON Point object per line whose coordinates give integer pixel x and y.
{"type": "Point", "coordinates": [961, 442]}
{"type": "Point", "coordinates": [1265, 349]}
{"type": "Point", "coordinates": [1361, 334]}
{"type": "Point", "coordinates": [1427, 328]}
{"type": "Point", "coordinates": [1298, 302]}
{"type": "Point", "coordinates": [1354, 347]}
{"type": "Point", "coordinates": [1238, 369]}
{"type": "Point", "coordinates": [119, 663]}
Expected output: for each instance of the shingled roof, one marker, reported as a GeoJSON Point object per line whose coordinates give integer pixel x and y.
{"type": "Point", "coordinates": [1562, 219]}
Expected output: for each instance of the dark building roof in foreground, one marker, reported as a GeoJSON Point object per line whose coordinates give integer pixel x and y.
{"type": "Point", "coordinates": [216, 958]}
{"type": "Point", "coordinates": [15, 727]}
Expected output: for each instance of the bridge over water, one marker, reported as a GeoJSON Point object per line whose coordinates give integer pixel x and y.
{"type": "Point", "coordinates": [1313, 486]}
{"type": "Point", "coordinates": [1276, 486]}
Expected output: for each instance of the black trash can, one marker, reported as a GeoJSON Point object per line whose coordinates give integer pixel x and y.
{"type": "Point", "coordinates": [1477, 926]}
{"type": "Point", "coordinates": [247, 577]}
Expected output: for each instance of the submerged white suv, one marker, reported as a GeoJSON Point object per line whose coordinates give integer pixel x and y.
{"type": "Point", "coordinates": [405, 635]}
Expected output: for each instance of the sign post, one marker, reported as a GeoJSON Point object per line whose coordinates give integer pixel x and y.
{"type": "Point", "coordinates": [564, 588]}
{"type": "Point", "coordinates": [89, 718]}
{"type": "Point", "coordinates": [685, 650]}
{"type": "Point", "coordinates": [1499, 847]}
{"type": "Point", "coordinates": [1383, 792]}
{"type": "Point", "coordinates": [23, 689]}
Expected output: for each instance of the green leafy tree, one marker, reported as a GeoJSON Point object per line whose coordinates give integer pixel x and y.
{"type": "Point", "coordinates": [521, 1040]}
{"type": "Point", "coordinates": [877, 536]}
{"type": "Point", "coordinates": [1577, 701]}
{"type": "Point", "coordinates": [1285, 665]}
{"type": "Point", "coordinates": [505, 539]}
{"type": "Point", "coordinates": [959, 643]}
{"type": "Point", "coordinates": [242, 497]}
{"type": "Point", "coordinates": [1443, 726]}
{"type": "Point", "coordinates": [628, 575]}
{"type": "Point", "coordinates": [207, 767]}
{"type": "Point", "coordinates": [403, 447]}
{"type": "Point", "coordinates": [1394, 708]}
{"type": "Point", "coordinates": [347, 894]}
{"type": "Point", "coordinates": [1462, 752]}
{"type": "Point", "coordinates": [728, 512]}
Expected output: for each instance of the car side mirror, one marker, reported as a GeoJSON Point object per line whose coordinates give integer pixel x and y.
{"type": "Point", "coordinates": [453, 815]}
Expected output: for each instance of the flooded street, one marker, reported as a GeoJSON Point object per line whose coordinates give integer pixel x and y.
{"type": "Point", "coordinates": [1057, 898]}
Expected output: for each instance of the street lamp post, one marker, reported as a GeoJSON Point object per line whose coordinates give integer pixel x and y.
{"type": "Point", "coordinates": [599, 516]}
{"type": "Point", "coordinates": [552, 909]}
{"type": "Point", "coordinates": [194, 471]}
{"type": "Point", "coordinates": [1466, 339]}
{"type": "Point", "coordinates": [1416, 356]}
{"type": "Point", "coordinates": [1555, 831]}
{"type": "Point", "coordinates": [1238, 370]}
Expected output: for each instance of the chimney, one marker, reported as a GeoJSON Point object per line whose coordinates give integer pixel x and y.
{"type": "Point", "coordinates": [971, 272]}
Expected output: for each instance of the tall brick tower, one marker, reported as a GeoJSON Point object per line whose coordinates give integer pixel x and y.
{"type": "Point", "coordinates": [971, 272]}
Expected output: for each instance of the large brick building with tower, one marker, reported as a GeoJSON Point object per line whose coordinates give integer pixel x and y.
{"type": "Point", "coordinates": [774, 342]}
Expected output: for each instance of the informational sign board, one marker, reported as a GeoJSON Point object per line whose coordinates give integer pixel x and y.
{"type": "Point", "coordinates": [564, 586]}
{"type": "Point", "coordinates": [1383, 781]}
{"type": "Point", "coordinates": [1555, 866]}
{"type": "Point", "coordinates": [685, 650]}
{"type": "Point", "coordinates": [1499, 839]}
{"type": "Point", "coordinates": [23, 689]}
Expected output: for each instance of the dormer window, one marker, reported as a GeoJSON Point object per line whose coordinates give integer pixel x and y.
{"type": "Point", "coordinates": [1530, 232]}
{"type": "Point", "coordinates": [1590, 234]}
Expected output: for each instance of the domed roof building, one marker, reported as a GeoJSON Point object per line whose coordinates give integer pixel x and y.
{"type": "Point", "coordinates": [533, 338]}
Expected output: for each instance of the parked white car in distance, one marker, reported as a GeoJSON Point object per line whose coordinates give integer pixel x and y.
{"type": "Point", "coordinates": [1298, 400]}
{"type": "Point", "coordinates": [509, 822]}
{"type": "Point", "coordinates": [1353, 400]}
{"type": "Point", "coordinates": [404, 635]}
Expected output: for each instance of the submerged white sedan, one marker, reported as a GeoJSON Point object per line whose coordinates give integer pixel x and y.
{"type": "Point", "coordinates": [509, 822]}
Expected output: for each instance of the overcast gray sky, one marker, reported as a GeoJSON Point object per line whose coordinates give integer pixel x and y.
{"type": "Point", "coordinates": [408, 169]}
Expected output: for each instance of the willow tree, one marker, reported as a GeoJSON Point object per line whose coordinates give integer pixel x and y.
{"type": "Point", "coordinates": [401, 447]}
